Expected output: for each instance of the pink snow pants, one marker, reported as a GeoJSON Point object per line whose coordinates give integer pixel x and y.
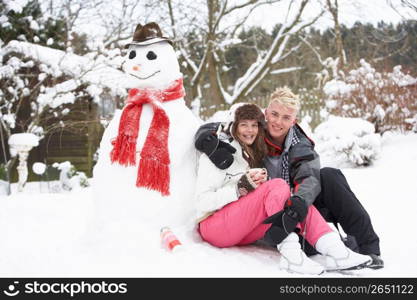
{"type": "Point", "coordinates": [240, 222]}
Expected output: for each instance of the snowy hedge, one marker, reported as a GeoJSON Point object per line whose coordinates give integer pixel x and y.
{"type": "Point", "coordinates": [71, 179]}
{"type": "Point", "coordinates": [346, 142]}
{"type": "Point", "coordinates": [386, 99]}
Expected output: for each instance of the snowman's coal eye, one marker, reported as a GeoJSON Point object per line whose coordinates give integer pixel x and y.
{"type": "Point", "coordinates": [132, 54]}
{"type": "Point", "coordinates": [151, 55]}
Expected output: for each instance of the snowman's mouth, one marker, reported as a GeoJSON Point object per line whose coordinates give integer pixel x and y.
{"type": "Point", "coordinates": [146, 77]}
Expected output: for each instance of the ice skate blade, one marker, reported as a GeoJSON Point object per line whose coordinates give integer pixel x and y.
{"type": "Point", "coordinates": [358, 267]}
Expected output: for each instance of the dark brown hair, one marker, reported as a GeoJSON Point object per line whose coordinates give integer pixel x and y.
{"type": "Point", "coordinates": [255, 153]}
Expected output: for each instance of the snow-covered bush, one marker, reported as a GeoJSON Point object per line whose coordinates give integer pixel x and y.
{"type": "Point", "coordinates": [388, 100]}
{"type": "Point", "coordinates": [69, 177]}
{"type": "Point", "coordinates": [413, 122]}
{"type": "Point", "coordinates": [346, 142]}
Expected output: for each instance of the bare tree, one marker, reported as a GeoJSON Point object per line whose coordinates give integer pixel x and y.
{"type": "Point", "coordinates": [409, 5]}
{"type": "Point", "coordinates": [333, 8]}
{"type": "Point", "coordinates": [214, 26]}
{"type": "Point", "coordinates": [222, 22]}
{"type": "Point", "coordinates": [118, 19]}
{"type": "Point", "coordinates": [44, 83]}
{"type": "Point", "coordinates": [74, 12]}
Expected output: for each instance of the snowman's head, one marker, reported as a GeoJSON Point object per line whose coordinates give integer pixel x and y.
{"type": "Point", "coordinates": [154, 65]}
{"type": "Point", "coordinates": [151, 59]}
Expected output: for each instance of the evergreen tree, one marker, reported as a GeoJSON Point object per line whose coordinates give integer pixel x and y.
{"type": "Point", "coordinates": [31, 25]}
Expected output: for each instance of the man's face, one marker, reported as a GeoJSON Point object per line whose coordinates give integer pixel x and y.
{"type": "Point", "coordinates": [279, 120]}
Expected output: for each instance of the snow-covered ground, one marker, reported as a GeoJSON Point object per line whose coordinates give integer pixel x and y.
{"type": "Point", "coordinates": [53, 234]}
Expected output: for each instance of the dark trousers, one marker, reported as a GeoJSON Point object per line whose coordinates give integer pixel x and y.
{"type": "Point", "coordinates": [339, 205]}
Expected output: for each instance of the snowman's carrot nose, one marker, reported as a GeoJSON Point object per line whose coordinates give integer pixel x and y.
{"type": "Point", "coordinates": [135, 68]}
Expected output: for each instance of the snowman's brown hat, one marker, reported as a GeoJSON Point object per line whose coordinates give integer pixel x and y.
{"type": "Point", "coordinates": [148, 34]}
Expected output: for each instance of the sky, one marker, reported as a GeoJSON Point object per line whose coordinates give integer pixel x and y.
{"type": "Point", "coordinates": [351, 11]}
{"type": "Point", "coordinates": [267, 16]}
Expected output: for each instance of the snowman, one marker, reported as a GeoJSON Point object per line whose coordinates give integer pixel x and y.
{"type": "Point", "coordinates": [146, 169]}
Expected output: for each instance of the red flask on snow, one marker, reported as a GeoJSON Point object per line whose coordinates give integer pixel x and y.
{"type": "Point", "coordinates": [169, 240]}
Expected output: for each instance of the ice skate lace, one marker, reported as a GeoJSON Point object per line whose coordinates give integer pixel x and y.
{"type": "Point", "coordinates": [302, 233]}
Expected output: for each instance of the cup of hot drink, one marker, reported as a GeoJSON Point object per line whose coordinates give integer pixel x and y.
{"type": "Point", "coordinates": [258, 173]}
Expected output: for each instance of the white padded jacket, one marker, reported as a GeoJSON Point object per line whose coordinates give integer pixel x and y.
{"type": "Point", "coordinates": [215, 187]}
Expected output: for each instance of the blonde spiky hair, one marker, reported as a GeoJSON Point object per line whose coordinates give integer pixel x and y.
{"type": "Point", "coordinates": [284, 96]}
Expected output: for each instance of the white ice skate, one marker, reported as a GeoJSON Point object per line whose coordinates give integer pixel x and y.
{"type": "Point", "coordinates": [338, 256]}
{"type": "Point", "coordinates": [293, 259]}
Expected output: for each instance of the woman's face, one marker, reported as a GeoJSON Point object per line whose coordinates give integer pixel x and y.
{"type": "Point", "coordinates": [247, 130]}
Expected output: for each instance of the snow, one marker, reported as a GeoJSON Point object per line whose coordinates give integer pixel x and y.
{"type": "Point", "coordinates": [111, 179]}
{"type": "Point", "coordinates": [343, 142]}
{"type": "Point", "coordinates": [15, 5]}
{"type": "Point", "coordinates": [230, 42]}
{"type": "Point", "coordinates": [95, 92]}
{"type": "Point", "coordinates": [10, 119]}
{"type": "Point", "coordinates": [81, 67]}
{"type": "Point", "coordinates": [333, 87]}
{"type": "Point", "coordinates": [4, 21]}
{"type": "Point", "coordinates": [285, 70]}
{"type": "Point", "coordinates": [28, 139]}
{"type": "Point", "coordinates": [96, 74]}
{"type": "Point", "coordinates": [166, 66]}
{"type": "Point", "coordinates": [69, 178]}
{"type": "Point", "coordinates": [402, 79]}
{"type": "Point", "coordinates": [55, 234]}
{"type": "Point", "coordinates": [34, 25]}
{"type": "Point", "coordinates": [64, 166]}
{"type": "Point", "coordinates": [39, 168]}
{"type": "Point", "coordinates": [112, 228]}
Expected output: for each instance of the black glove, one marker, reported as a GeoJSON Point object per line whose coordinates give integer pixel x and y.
{"type": "Point", "coordinates": [206, 142]}
{"type": "Point", "coordinates": [220, 153]}
{"type": "Point", "coordinates": [283, 221]}
{"type": "Point", "coordinates": [294, 212]}
{"type": "Point", "coordinates": [297, 208]}
{"type": "Point", "coordinates": [246, 183]}
{"type": "Point", "coordinates": [222, 157]}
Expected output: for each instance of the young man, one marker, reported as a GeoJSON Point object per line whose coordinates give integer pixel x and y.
{"type": "Point", "coordinates": [292, 157]}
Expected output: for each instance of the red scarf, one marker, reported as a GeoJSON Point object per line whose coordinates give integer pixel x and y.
{"type": "Point", "coordinates": [153, 172]}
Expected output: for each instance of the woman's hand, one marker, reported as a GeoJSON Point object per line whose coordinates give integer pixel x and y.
{"type": "Point", "coordinates": [251, 180]}
{"type": "Point", "coordinates": [258, 175]}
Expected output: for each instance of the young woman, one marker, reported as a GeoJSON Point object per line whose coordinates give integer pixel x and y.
{"type": "Point", "coordinates": [233, 203]}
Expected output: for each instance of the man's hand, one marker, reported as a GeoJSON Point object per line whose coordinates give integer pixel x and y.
{"type": "Point", "coordinates": [294, 212]}
{"type": "Point", "coordinates": [219, 152]}
{"type": "Point", "coordinates": [282, 220]}
{"type": "Point", "coordinates": [297, 208]}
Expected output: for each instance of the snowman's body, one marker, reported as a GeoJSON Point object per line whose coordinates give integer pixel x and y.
{"type": "Point", "coordinates": [117, 198]}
